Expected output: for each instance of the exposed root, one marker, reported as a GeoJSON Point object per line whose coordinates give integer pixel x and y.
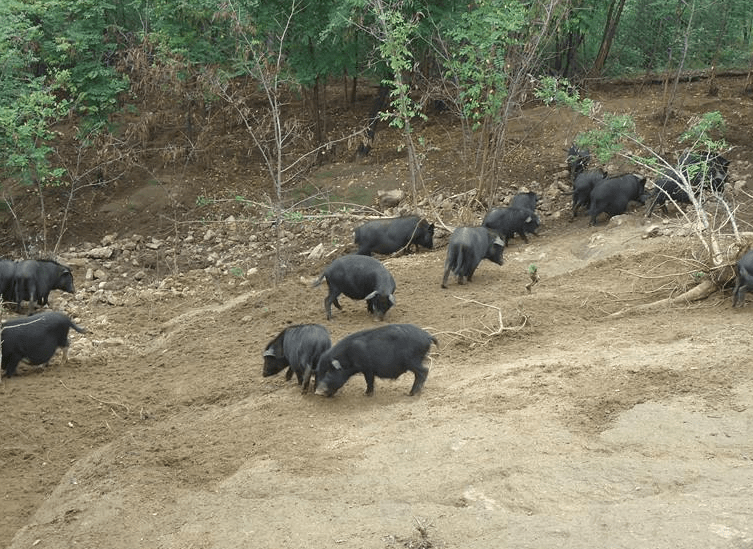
{"type": "Point", "coordinates": [697, 293]}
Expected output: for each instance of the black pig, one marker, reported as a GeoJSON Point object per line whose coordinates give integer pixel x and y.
{"type": "Point", "coordinates": [467, 247]}
{"type": "Point", "coordinates": [386, 352]}
{"type": "Point", "coordinates": [35, 279]}
{"type": "Point", "coordinates": [613, 194]}
{"type": "Point", "coordinates": [744, 281]}
{"type": "Point", "coordinates": [577, 161]}
{"type": "Point", "coordinates": [506, 222]}
{"type": "Point", "coordinates": [699, 171]}
{"type": "Point", "coordinates": [665, 189]}
{"type": "Point", "coordinates": [298, 347]}
{"type": "Point", "coordinates": [7, 279]}
{"type": "Point", "coordinates": [704, 169]}
{"type": "Point", "coordinates": [35, 339]}
{"type": "Point", "coordinates": [582, 187]}
{"type": "Point", "coordinates": [386, 236]}
{"type": "Point", "coordinates": [525, 201]}
{"type": "Point", "coordinates": [359, 277]}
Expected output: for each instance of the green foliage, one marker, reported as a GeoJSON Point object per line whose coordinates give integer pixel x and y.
{"type": "Point", "coordinates": [28, 105]}
{"type": "Point", "coordinates": [612, 131]}
{"type": "Point", "coordinates": [394, 50]}
{"type": "Point", "coordinates": [479, 41]}
{"type": "Point", "coordinates": [25, 135]}
{"type": "Point", "coordinates": [59, 57]}
{"type": "Point", "coordinates": [704, 129]}
{"type": "Point", "coordinates": [559, 91]}
{"type": "Point", "coordinates": [608, 139]}
{"type": "Point", "coordinates": [76, 44]}
{"type": "Point", "coordinates": [322, 43]}
{"type": "Point", "coordinates": [648, 35]}
{"type": "Point", "coordinates": [56, 59]}
{"type": "Point", "coordinates": [197, 32]}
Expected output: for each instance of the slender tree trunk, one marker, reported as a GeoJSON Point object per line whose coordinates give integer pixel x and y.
{"type": "Point", "coordinates": [574, 41]}
{"type": "Point", "coordinates": [673, 94]}
{"type": "Point", "coordinates": [316, 110]}
{"type": "Point", "coordinates": [413, 163]}
{"type": "Point", "coordinates": [567, 45]}
{"type": "Point", "coordinates": [713, 87]}
{"type": "Point", "coordinates": [379, 103]}
{"type": "Point", "coordinates": [748, 88]}
{"type": "Point", "coordinates": [40, 188]}
{"type": "Point", "coordinates": [314, 105]}
{"type": "Point", "coordinates": [559, 49]}
{"type": "Point", "coordinates": [610, 29]}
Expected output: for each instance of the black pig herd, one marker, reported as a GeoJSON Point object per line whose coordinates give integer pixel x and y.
{"type": "Point", "coordinates": [595, 190]}
{"type": "Point", "coordinates": [385, 352]}
{"type": "Point", "coordinates": [34, 338]}
{"type": "Point", "coordinates": [390, 351]}
{"type": "Point", "coordinates": [702, 172]}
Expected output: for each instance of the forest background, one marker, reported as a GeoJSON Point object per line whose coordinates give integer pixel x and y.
{"type": "Point", "coordinates": [84, 64]}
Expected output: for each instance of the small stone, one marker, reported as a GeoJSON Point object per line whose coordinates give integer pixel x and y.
{"type": "Point", "coordinates": [317, 252]}
{"type": "Point", "coordinates": [104, 252]}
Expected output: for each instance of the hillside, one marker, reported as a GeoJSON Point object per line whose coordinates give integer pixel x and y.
{"type": "Point", "coordinates": [545, 422]}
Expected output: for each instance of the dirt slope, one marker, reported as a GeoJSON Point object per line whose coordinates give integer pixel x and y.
{"type": "Point", "coordinates": [573, 430]}
{"type": "Point", "coordinates": [568, 428]}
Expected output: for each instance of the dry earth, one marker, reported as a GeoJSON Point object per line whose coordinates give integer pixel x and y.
{"type": "Point", "coordinates": [545, 422]}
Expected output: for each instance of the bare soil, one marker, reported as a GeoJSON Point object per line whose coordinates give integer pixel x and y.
{"type": "Point", "coordinates": [545, 421]}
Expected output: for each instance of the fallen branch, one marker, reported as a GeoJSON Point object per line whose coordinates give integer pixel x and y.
{"type": "Point", "coordinates": [480, 336]}
{"type": "Point", "coordinates": [697, 293]}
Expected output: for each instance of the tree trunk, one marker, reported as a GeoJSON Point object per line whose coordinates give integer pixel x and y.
{"type": "Point", "coordinates": [314, 103]}
{"type": "Point", "coordinates": [316, 112]}
{"type": "Point", "coordinates": [567, 46]}
{"type": "Point", "coordinates": [696, 293]}
{"type": "Point", "coordinates": [610, 29]}
{"type": "Point", "coordinates": [748, 88]}
{"type": "Point", "coordinates": [574, 41]}
{"type": "Point", "coordinates": [713, 90]}
{"type": "Point", "coordinates": [379, 103]}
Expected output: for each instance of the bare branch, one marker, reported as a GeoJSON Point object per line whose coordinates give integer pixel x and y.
{"type": "Point", "coordinates": [480, 336]}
